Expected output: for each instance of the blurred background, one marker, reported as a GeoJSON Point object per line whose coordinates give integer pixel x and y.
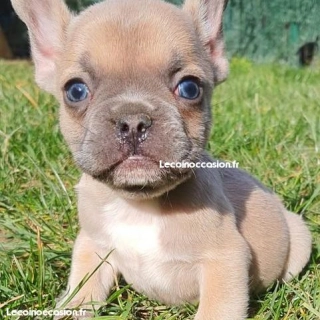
{"type": "Point", "coordinates": [262, 31]}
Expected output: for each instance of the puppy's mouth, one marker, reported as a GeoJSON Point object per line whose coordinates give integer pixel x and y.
{"type": "Point", "coordinates": [136, 162]}
{"type": "Point", "coordinates": [141, 176]}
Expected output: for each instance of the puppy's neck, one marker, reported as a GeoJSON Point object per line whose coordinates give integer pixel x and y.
{"type": "Point", "coordinates": [192, 195]}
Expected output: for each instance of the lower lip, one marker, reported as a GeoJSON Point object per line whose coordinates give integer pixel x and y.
{"type": "Point", "coordinates": [138, 158]}
{"type": "Point", "coordinates": [135, 162]}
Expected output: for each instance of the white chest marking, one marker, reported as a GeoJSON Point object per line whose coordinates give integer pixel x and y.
{"type": "Point", "coordinates": [133, 230]}
{"type": "Point", "coordinates": [140, 239]}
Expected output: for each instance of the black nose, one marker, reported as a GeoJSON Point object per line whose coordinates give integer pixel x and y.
{"type": "Point", "coordinates": [134, 127]}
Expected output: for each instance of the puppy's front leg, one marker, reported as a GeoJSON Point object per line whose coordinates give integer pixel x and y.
{"type": "Point", "coordinates": [87, 256]}
{"type": "Point", "coordinates": [224, 290]}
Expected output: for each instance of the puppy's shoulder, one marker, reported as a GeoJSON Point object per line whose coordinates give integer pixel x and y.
{"type": "Point", "coordinates": [245, 191]}
{"type": "Point", "coordinates": [249, 197]}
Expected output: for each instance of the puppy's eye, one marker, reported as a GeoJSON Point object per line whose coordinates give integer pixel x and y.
{"type": "Point", "coordinates": [188, 89]}
{"type": "Point", "coordinates": [76, 91]}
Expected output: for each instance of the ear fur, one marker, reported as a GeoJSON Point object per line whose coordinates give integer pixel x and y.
{"type": "Point", "coordinates": [47, 21]}
{"type": "Point", "coordinates": [207, 16]}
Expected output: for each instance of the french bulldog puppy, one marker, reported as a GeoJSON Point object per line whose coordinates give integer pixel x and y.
{"type": "Point", "coordinates": [134, 79]}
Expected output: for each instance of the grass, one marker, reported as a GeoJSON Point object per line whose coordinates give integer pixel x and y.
{"type": "Point", "coordinates": [266, 117]}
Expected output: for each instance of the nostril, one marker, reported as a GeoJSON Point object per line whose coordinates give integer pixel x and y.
{"type": "Point", "coordinates": [141, 127]}
{"type": "Point", "coordinates": [144, 123]}
{"type": "Point", "coordinates": [124, 127]}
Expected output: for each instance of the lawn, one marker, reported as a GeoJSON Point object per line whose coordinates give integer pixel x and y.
{"type": "Point", "coordinates": [266, 117]}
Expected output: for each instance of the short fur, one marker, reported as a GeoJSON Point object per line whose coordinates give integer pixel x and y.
{"type": "Point", "coordinates": [207, 235]}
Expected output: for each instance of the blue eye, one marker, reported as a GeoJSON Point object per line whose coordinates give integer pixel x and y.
{"type": "Point", "coordinates": [188, 89]}
{"type": "Point", "coordinates": [77, 92]}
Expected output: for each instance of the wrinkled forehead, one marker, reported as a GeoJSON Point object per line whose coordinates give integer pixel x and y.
{"type": "Point", "coordinates": [141, 34]}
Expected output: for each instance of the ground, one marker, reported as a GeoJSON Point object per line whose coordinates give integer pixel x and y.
{"type": "Point", "coordinates": [266, 117]}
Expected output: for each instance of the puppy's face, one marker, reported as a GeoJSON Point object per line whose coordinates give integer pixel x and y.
{"type": "Point", "coordinates": [134, 79]}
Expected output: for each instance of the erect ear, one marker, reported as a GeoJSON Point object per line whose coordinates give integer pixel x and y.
{"type": "Point", "coordinates": [47, 21]}
{"type": "Point", "coordinates": [207, 17]}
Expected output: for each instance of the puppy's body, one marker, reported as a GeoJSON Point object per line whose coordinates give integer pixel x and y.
{"type": "Point", "coordinates": [238, 224]}
{"type": "Point", "coordinates": [134, 79]}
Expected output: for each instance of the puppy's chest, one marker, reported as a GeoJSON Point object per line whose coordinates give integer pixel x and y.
{"type": "Point", "coordinates": [134, 239]}
{"type": "Point", "coordinates": [133, 234]}
{"type": "Point", "coordinates": [145, 257]}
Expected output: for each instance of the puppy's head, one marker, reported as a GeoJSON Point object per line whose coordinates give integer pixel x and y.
{"type": "Point", "coordinates": [134, 79]}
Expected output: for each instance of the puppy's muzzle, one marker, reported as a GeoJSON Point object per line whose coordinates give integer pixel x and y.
{"type": "Point", "coordinates": [133, 130]}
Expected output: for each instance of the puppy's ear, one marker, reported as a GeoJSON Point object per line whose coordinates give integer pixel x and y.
{"type": "Point", "coordinates": [47, 21]}
{"type": "Point", "coordinates": [207, 17]}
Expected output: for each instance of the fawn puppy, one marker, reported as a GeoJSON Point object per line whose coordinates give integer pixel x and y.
{"type": "Point", "coordinates": [134, 79]}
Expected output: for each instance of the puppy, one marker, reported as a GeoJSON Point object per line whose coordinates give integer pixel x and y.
{"type": "Point", "coordinates": [134, 79]}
